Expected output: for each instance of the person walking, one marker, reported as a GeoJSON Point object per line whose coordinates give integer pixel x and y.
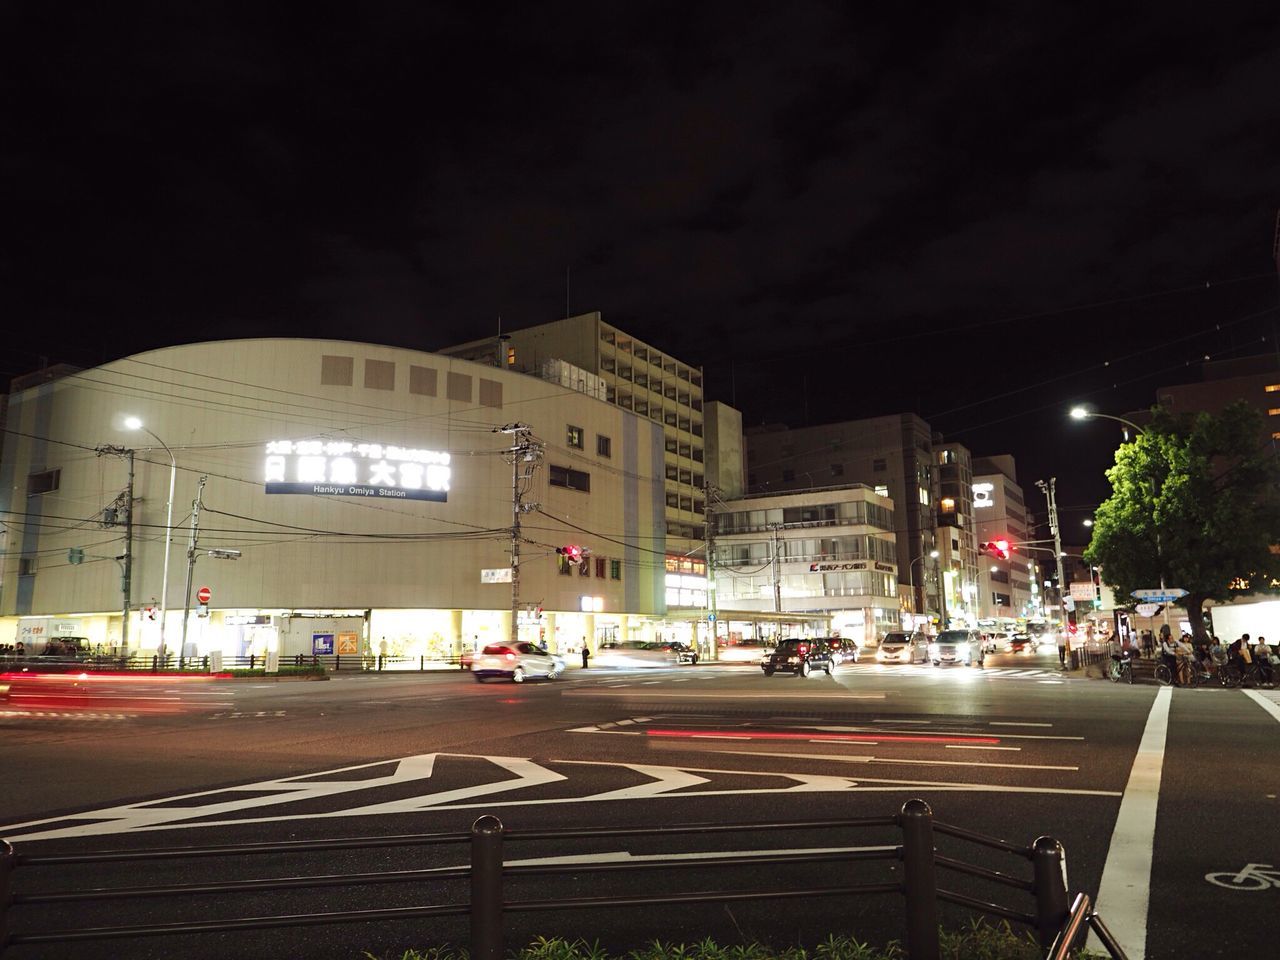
{"type": "Point", "coordinates": [586, 654]}
{"type": "Point", "coordinates": [1062, 647]}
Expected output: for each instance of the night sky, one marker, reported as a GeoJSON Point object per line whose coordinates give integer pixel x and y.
{"type": "Point", "coordinates": [839, 211]}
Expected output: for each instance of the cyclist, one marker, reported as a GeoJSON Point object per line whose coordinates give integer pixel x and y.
{"type": "Point", "coordinates": [1238, 654]}
{"type": "Point", "coordinates": [1217, 654]}
{"type": "Point", "coordinates": [1169, 652]}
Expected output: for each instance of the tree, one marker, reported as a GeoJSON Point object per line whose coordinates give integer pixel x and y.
{"type": "Point", "coordinates": [1195, 503]}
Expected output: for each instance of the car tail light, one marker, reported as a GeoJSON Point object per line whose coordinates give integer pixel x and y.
{"type": "Point", "coordinates": [804, 649]}
{"type": "Point", "coordinates": [511, 656]}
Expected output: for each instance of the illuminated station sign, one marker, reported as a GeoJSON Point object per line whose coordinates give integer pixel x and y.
{"type": "Point", "coordinates": [325, 468]}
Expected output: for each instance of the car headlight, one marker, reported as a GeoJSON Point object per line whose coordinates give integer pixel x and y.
{"type": "Point", "coordinates": [962, 649]}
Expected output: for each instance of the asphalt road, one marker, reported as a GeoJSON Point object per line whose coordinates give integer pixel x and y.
{"type": "Point", "coordinates": [1015, 750]}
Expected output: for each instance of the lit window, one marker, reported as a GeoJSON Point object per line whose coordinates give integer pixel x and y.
{"type": "Point", "coordinates": [947, 505]}
{"type": "Point", "coordinates": [882, 490]}
{"type": "Point", "coordinates": [1272, 387]}
{"type": "Point", "coordinates": [573, 436]}
{"type": "Point", "coordinates": [1274, 412]}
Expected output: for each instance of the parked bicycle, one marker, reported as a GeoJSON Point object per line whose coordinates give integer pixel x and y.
{"type": "Point", "coordinates": [1189, 673]}
{"type": "Point", "coordinates": [1120, 668]}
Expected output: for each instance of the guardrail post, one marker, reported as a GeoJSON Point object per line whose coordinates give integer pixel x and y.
{"type": "Point", "coordinates": [919, 881]}
{"type": "Point", "coordinates": [486, 889]}
{"type": "Point", "coordinates": [7, 861]}
{"type": "Point", "coordinates": [1049, 876]}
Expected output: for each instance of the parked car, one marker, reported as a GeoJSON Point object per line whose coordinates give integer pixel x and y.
{"type": "Point", "coordinates": [903, 648]}
{"type": "Point", "coordinates": [684, 653]}
{"type": "Point", "coordinates": [957, 646]}
{"type": "Point", "coordinates": [843, 650]}
{"type": "Point", "coordinates": [517, 661]}
{"type": "Point", "coordinates": [633, 653]}
{"type": "Point", "coordinates": [798, 656]}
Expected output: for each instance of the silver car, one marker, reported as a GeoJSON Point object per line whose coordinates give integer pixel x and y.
{"type": "Point", "coordinates": [903, 648]}
{"type": "Point", "coordinates": [957, 646]}
{"type": "Point", "coordinates": [517, 661]}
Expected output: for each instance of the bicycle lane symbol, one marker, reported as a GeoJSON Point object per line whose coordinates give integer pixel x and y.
{"type": "Point", "coordinates": [1254, 876]}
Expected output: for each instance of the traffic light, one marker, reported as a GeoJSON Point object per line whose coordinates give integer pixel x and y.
{"type": "Point", "coordinates": [996, 548]}
{"type": "Point", "coordinates": [573, 552]}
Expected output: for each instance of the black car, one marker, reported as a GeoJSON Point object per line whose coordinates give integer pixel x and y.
{"type": "Point", "coordinates": [798, 656]}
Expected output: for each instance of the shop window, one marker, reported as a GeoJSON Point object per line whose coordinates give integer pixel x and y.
{"type": "Point", "coordinates": [573, 437]}
{"type": "Point", "coordinates": [615, 569]}
{"type": "Point", "coordinates": [604, 446]}
{"type": "Point", "coordinates": [43, 482]}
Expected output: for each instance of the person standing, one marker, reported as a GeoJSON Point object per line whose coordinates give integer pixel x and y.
{"type": "Point", "coordinates": [586, 654]}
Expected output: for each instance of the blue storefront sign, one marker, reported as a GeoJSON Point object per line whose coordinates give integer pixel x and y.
{"type": "Point", "coordinates": [322, 643]}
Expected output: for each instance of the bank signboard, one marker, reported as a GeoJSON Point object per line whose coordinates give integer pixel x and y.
{"type": "Point", "coordinates": [326, 468]}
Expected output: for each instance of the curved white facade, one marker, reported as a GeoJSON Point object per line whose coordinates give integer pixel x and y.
{"type": "Point", "coordinates": [219, 405]}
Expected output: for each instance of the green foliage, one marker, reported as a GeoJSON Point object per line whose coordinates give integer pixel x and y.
{"type": "Point", "coordinates": [980, 940]}
{"type": "Point", "coordinates": [285, 671]}
{"type": "Point", "coordinates": [1194, 502]}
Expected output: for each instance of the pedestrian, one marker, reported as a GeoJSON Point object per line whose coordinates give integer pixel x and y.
{"type": "Point", "coordinates": [20, 650]}
{"type": "Point", "coordinates": [1062, 647]}
{"type": "Point", "coordinates": [586, 654]}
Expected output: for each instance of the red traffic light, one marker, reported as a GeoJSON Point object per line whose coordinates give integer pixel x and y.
{"type": "Point", "coordinates": [572, 551]}
{"type": "Point", "coordinates": [997, 548]}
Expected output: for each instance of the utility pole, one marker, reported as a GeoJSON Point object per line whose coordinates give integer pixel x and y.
{"type": "Point", "coordinates": [524, 453]}
{"type": "Point", "coordinates": [126, 577]}
{"type": "Point", "coordinates": [777, 580]}
{"type": "Point", "coordinates": [196, 504]}
{"type": "Point", "coordinates": [1051, 498]}
{"type": "Point", "coordinates": [711, 493]}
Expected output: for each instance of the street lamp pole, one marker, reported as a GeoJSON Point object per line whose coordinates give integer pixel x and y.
{"type": "Point", "coordinates": [911, 576]}
{"type": "Point", "coordinates": [1081, 413]}
{"type": "Point", "coordinates": [133, 423]}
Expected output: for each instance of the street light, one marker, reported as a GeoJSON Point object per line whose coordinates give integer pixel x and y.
{"type": "Point", "coordinates": [1083, 413]}
{"type": "Point", "coordinates": [1088, 522]}
{"type": "Point", "coordinates": [911, 570]}
{"type": "Point", "coordinates": [133, 423]}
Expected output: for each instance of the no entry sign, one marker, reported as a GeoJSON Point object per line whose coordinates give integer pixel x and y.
{"type": "Point", "coordinates": [204, 594]}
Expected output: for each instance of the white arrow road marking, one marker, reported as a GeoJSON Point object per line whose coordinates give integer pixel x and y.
{"type": "Point", "coordinates": [665, 778]}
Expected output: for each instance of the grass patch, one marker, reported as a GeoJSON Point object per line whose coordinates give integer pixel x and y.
{"type": "Point", "coordinates": [981, 940]}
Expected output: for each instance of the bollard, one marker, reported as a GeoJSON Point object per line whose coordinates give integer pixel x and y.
{"type": "Point", "coordinates": [380, 657]}
{"type": "Point", "coordinates": [252, 659]}
{"type": "Point", "coordinates": [8, 860]}
{"type": "Point", "coordinates": [1050, 888]}
{"type": "Point", "coordinates": [919, 881]}
{"type": "Point", "coordinates": [486, 889]}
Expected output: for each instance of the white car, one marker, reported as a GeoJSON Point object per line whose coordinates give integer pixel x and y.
{"type": "Point", "coordinates": [517, 661]}
{"type": "Point", "coordinates": [632, 653]}
{"type": "Point", "coordinates": [743, 653]}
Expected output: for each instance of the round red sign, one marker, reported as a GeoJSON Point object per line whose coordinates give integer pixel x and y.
{"type": "Point", "coordinates": [204, 594]}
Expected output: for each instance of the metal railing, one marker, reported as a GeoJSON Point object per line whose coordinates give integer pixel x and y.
{"type": "Point", "coordinates": [1057, 927]}
{"type": "Point", "coordinates": [150, 663]}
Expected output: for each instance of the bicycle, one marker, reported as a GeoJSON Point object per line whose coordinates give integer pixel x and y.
{"type": "Point", "coordinates": [1120, 668]}
{"type": "Point", "coordinates": [1188, 673]}
{"type": "Point", "coordinates": [1254, 676]}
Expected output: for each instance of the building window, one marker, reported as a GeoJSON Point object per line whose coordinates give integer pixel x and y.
{"type": "Point", "coordinates": [45, 482]}
{"type": "Point", "coordinates": [882, 490]}
{"type": "Point", "coordinates": [584, 568]}
{"type": "Point", "coordinates": [570, 479]}
{"type": "Point", "coordinates": [422, 381]}
{"type": "Point", "coordinates": [604, 446]}
{"type": "Point", "coordinates": [566, 568]}
{"type": "Point", "coordinates": [947, 505]}
{"type": "Point", "coordinates": [379, 375]}
{"type": "Point", "coordinates": [458, 387]}
{"type": "Point", "coordinates": [673, 501]}
{"type": "Point", "coordinates": [1274, 412]}
{"type": "Point", "coordinates": [600, 567]}
{"type": "Point", "coordinates": [1272, 387]}
{"type": "Point", "coordinates": [615, 569]}
{"type": "Point", "coordinates": [671, 445]}
{"type": "Point", "coordinates": [837, 469]}
{"type": "Point", "coordinates": [573, 437]}
{"type": "Point", "coordinates": [879, 465]}
{"type": "Point", "coordinates": [336, 371]}
{"type": "Point", "coordinates": [490, 393]}
{"type": "Point", "coordinates": [673, 472]}
{"type": "Point", "coordinates": [27, 567]}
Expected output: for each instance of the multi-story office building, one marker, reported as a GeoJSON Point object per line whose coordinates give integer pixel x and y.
{"type": "Point", "coordinates": [1000, 510]}
{"type": "Point", "coordinates": [1253, 379]}
{"type": "Point", "coordinates": [957, 548]}
{"type": "Point", "coordinates": [893, 455]}
{"type": "Point", "coordinates": [829, 551]}
{"type": "Point", "coordinates": [588, 354]}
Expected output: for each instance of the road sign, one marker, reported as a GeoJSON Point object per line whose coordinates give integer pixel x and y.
{"type": "Point", "coordinates": [204, 594]}
{"type": "Point", "coordinates": [1159, 594]}
{"type": "Point", "coordinates": [711, 617]}
{"type": "Point", "coordinates": [1083, 590]}
{"type": "Point", "coordinates": [1147, 609]}
{"type": "Point", "coordinates": [496, 575]}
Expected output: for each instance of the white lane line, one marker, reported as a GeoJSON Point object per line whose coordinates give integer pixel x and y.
{"type": "Point", "coordinates": [1124, 895]}
{"type": "Point", "coordinates": [1011, 723]}
{"type": "Point", "coordinates": [648, 683]}
{"type": "Point", "coordinates": [1264, 702]}
{"type": "Point", "coordinates": [707, 695]}
{"type": "Point", "coordinates": [976, 746]}
{"type": "Point", "coordinates": [900, 721]}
